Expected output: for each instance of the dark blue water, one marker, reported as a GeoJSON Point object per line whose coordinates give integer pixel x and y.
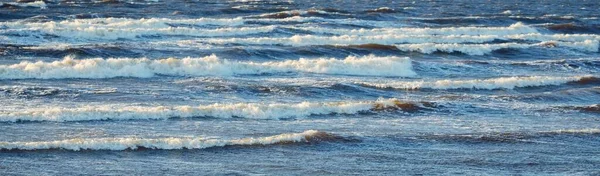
{"type": "Point", "coordinates": [115, 87]}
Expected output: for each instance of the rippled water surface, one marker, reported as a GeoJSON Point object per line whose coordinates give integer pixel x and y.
{"type": "Point", "coordinates": [244, 87]}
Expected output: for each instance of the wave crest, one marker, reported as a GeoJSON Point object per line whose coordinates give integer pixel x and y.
{"type": "Point", "coordinates": [206, 66]}
{"type": "Point", "coordinates": [171, 143]}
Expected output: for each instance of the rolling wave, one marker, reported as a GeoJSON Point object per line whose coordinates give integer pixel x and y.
{"type": "Point", "coordinates": [210, 65]}
{"type": "Point", "coordinates": [172, 143]}
{"type": "Point", "coordinates": [482, 49]}
{"type": "Point", "coordinates": [390, 39]}
{"type": "Point", "coordinates": [38, 4]}
{"type": "Point", "coordinates": [517, 28]}
{"type": "Point", "coordinates": [240, 110]}
{"type": "Point", "coordinates": [487, 84]}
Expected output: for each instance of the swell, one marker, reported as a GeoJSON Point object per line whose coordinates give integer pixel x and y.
{"type": "Point", "coordinates": [595, 108]}
{"type": "Point", "coordinates": [238, 110]}
{"type": "Point", "coordinates": [172, 143]}
{"type": "Point", "coordinates": [511, 137]}
{"type": "Point", "coordinates": [485, 84]}
{"type": "Point", "coordinates": [206, 66]}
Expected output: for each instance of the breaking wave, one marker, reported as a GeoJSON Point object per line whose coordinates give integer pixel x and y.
{"type": "Point", "coordinates": [482, 49]}
{"type": "Point", "coordinates": [210, 65]}
{"type": "Point", "coordinates": [38, 4]}
{"type": "Point", "coordinates": [172, 143]}
{"type": "Point", "coordinates": [517, 28]}
{"type": "Point", "coordinates": [390, 39]}
{"type": "Point", "coordinates": [239, 110]}
{"type": "Point", "coordinates": [488, 84]}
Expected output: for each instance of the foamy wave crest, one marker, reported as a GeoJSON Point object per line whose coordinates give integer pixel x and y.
{"type": "Point", "coordinates": [172, 143]}
{"type": "Point", "coordinates": [116, 33]}
{"type": "Point", "coordinates": [307, 40]}
{"type": "Point", "coordinates": [482, 49]}
{"type": "Point", "coordinates": [210, 65]}
{"type": "Point", "coordinates": [148, 23]}
{"type": "Point", "coordinates": [241, 110]}
{"type": "Point", "coordinates": [517, 28]}
{"type": "Point", "coordinates": [114, 28]}
{"type": "Point", "coordinates": [390, 39]}
{"type": "Point", "coordinates": [38, 4]}
{"type": "Point", "coordinates": [489, 84]}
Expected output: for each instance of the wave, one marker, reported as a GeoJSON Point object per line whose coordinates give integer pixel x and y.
{"type": "Point", "coordinates": [171, 143]}
{"type": "Point", "coordinates": [589, 109]}
{"type": "Point", "coordinates": [482, 49]}
{"type": "Point", "coordinates": [517, 28]}
{"type": "Point", "coordinates": [509, 137]}
{"type": "Point", "coordinates": [131, 33]}
{"type": "Point", "coordinates": [308, 40]}
{"type": "Point", "coordinates": [206, 66]}
{"type": "Point", "coordinates": [30, 91]}
{"type": "Point", "coordinates": [487, 84]}
{"type": "Point", "coordinates": [381, 10]}
{"type": "Point", "coordinates": [121, 23]}
{"type": "Point", "coordinates": [37, 4]}
{"type": "Point", "coordinates": [591, 41]}
{"type": "Point", "coordinates": [240, 110]}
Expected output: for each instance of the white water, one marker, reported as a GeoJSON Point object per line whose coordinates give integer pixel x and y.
{"type": "Point", "coordinates": [489, 84]}
{"type": "Point", "coordinates": [210, 65]}
{"type": "Point", "coordinates": [243, 110]}
{"type": "Point", "coordinates": [171, 143]}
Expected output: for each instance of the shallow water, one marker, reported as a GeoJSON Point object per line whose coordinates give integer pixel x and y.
{"type": "Point", "coordinates": [299, 87]}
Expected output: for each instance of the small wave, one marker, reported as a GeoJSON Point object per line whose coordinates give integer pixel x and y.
{"type": "Point", "coordinates": [30, 91]}
{"type": "Point", "coordinates": [572, 28]}
{"type": "Point", "coordinates": [240, 110]}
{"type": "Point", "coordinates": [487, 84]}
{"type": "Point", "coordinates": [586, 42]}
{"type": "Point", "coordinates": [172, 143]}
{"type": "Point", "coordinates": [372, 46]}
{"type": "Point", "coordinates": [589, 109]}
{"type": "Point", "coordinates": [210, 65]}
{"type": "Point", "coordinates": [381, 10]}
{"type": "Point", "coordinates": [297, 13]}
{"type": "Point", "coordinates": [310, 40]}
{"type": "Point", "coordinates": [509, 137]}
{"type": "Point", "coordinates": [482, 49]}
{"type": "Point", "coordinates": [517, 28]}
{"type": "Point", "coordinates": [131, 33]}
{"type": "Point", "coordinates": [36, 4]}
{"type": "Point", "coordinates": [120, 23]}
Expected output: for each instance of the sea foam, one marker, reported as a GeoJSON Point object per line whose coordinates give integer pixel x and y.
{"type": "Point", "coordinates": [171, 143]}
{"type": "Point", "coordinates": [206, 66]}
{"type": "Point", "coordinates": [218, 110]}
{"type": "Point", "coordinates": [489, 84]}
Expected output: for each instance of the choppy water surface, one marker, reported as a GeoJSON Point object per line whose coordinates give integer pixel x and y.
{"type": "Point", "coordinates": [299, 87]}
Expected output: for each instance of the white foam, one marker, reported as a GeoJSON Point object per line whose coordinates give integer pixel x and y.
{"type": "Point", "coordinates": [470, 49]}
{"type": "Point", "coordinates": [489, 84]}
{"type": "Point", "coordinates": [390, 39]}
{"type": "Point", "coordinates": [39, 4]}
{"type": "Point", "coordinates": [243, 110]}
{"type": "Point", "coordinates": [171, 143]}
{"type": "Point", "coordinates": [517, 28]}
{"type": "Point", "coordinates": [116, 33]}
{"type": "Point", "coordinates": [114, 28]}
{"type": "Point", "coordinates": [482, 49]}
{"type": "Point", "coordinates": [307, 40]}
{"type": "Point", "coordinates": [147, 23]}
{"type": "Point", "coordinates": [572, 131]}
{"type": "Point", "coordinates": [210, 65]}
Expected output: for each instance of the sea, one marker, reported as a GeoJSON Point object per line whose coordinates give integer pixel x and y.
{"type": "Point", "coordinates": [299, 87]}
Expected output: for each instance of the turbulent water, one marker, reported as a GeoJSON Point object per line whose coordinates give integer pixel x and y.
{"type": "Point", "coordinates": [299, 87]}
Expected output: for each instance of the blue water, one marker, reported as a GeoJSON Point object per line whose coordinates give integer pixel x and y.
{"type": "Point", "coordinates": [140, 87]}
